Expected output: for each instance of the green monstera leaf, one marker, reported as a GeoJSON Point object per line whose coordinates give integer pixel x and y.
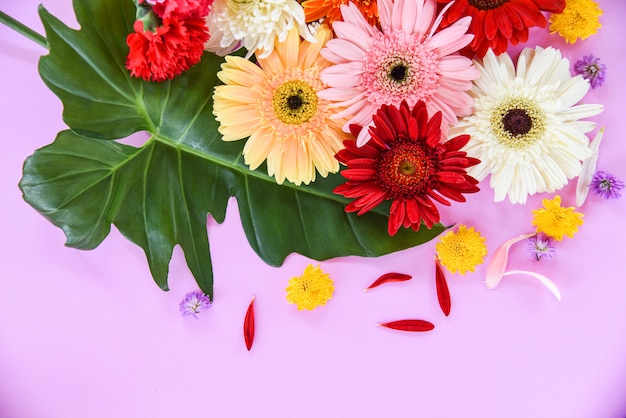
{"type": "Point", "coordinates": [158, 195]}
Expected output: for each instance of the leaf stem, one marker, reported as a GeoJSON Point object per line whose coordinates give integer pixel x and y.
{"type": "Point", "coordinates": [22, 29]}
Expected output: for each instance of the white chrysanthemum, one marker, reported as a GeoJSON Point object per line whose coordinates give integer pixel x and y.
{"type": "Point", "coordinates": [254, 24]}
{"type": "Point", "coordinates": [525, 128]}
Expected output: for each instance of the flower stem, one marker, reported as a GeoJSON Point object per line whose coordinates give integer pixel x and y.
{"type": "Point", "coordinates": [20, 28]}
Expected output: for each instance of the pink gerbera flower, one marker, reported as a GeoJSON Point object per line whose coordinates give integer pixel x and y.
{"type": "Point", "coordinates": [404, 60]}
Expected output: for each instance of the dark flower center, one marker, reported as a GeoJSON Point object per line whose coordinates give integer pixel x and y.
{"type": "Point", "coordinates": [295, 102]}
{"type": "Point", "coordinates": [398, 72]}
{"type": "Point", "coordinates": [405, 170]}
{"type": "Point", "coordinates": [593, 69]}
{"type": "Point", "coordinates": [606, 184]}
{"type": "Point", "coordinates": [517, 122]}
{"type": "Point", "coordinates": [487, 4]}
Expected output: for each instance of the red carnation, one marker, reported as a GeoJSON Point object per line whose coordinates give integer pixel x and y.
{"type": "Point", "coordinates": [496, 23]}
{"type": "Point", "coordinates": [183, 9]}
{"type": "Point", "coordinates": [173, 47]}
{"type": "Point", "coordinates": [404, 162]}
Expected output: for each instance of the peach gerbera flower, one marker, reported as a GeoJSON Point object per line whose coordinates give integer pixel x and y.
{"type": "Point", "coordinates": [404, 60]}
{"type": "Point", "coordinates": [276, 106]}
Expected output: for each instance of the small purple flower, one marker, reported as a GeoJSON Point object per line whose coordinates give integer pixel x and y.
{"type": "Point", "coordinates": [194, 303]}
{"type": "Point", "coordinates": [591, 69]}
{"type": "Point", "coordinates": [541, 247]}
{"type": "Point", "coordinates": [606, 185]}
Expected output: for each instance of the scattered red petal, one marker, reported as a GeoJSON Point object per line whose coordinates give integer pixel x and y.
{"type": "Point", "coordinates": [248, 325]}
{"type": "Point", "coordinates": [412, 325]}
{"type": "Point", "coordinates": [388, 277]}
{"type": "Point", "coordinates": [443, 294]}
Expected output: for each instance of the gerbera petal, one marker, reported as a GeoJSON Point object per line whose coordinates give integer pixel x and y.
{"type": "Point", "coordinates": [357, 26]}
{"type": "Point", "coordinates": [310, 52]}
{"type": "Point", "coordinates": [426, 18]}
{"type": "Point", "coordinates": [503, 22]}
{"type": "Point", "coordinates": [257, 148]}
{"type": "Point", "coordinates": [453, 63]}
{"type": "Point", "coordinates": [396, 216]}
{"type": "Point", "coordinates": [491, 25]}
{"type": "Point", "coordinates": [542, 279]}
{"type": "Point", "coordinates": [341, 75]}
{"type": "Point", "coordinates": [451, 39]}
{"type": "Point", "coordinates": [500, 259]}
{"type": "Point", "coordinates": [359, 174]}
{"type": "Point", "coordinates": [384, 14]}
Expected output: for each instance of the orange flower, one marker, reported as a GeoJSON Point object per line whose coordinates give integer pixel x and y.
{"type": "Point", "coordinates": [329, 10]}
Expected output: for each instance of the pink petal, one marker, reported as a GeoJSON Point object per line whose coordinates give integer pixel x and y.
{"type": "Point", "coordinates": [343, 51]}
{"type": "Point", "coordinates": [453, 38]}
{"type": "Point", "coordinates": [454, 63]}
{"type": "Point", "coordinates": [425, 17]}
{"type": "Point", "coordinates": [354, 26]}
{"type": "Point", "coordinates": [543, 279]}
{"type": "Point", "coordinates": [341, 76]}
{"type": "Point", "coordinates": [408, 14]}
{"type": "Point", "coordinates": [497, 265]}
{"type": "Point", "coordinates": [439, 18]}
{"type": "Point", "coordinates": [384, 14]}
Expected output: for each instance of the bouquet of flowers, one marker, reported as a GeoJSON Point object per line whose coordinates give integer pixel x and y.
{"type": "Point", "coordinates": [339, 126]}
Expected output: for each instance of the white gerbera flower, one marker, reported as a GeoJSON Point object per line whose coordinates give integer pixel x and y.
{"type": "Point", "coordinates": [254, 24]}
{"type": "Point", "coordinates": [525, 128]}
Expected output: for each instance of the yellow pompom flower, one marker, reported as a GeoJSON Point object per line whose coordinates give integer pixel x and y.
{"type": "Point", "coordinates": [461, 251]}
{"type": "Point", "coordinates": [556, 221]}
{"type": "Point", "coordinates": [579, 19]}
{"type": "Point", "coordinates": [314, 288]}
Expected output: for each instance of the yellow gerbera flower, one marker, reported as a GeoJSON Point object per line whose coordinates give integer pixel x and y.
{"type": "Point", "coordinates": [461, 251]}
{"type": "Point", "coordinates": [579, 19]}
{"type": "Point", "coordinates": [275, 104]}
{"type": "Point", "coordinates": [314, 288]}
{"type": "Point", "coordinates": [556, 221]}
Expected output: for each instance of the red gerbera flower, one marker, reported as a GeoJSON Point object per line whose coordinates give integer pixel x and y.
{"type": "Point", "coordinates": [173, 47]}
{"type": "Point", "coordinates": [496, 23]}
{"type": "Point", "coordinates": [405, 162]}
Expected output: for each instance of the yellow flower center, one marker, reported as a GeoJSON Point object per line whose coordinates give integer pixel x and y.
{"type": "Point", "coordinates": [294, 102]}
{"type": "Point", "coordinates": [518, 122]}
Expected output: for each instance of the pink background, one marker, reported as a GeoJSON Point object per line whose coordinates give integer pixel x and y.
{"type": "Point", "coordinates": [88, 334]}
